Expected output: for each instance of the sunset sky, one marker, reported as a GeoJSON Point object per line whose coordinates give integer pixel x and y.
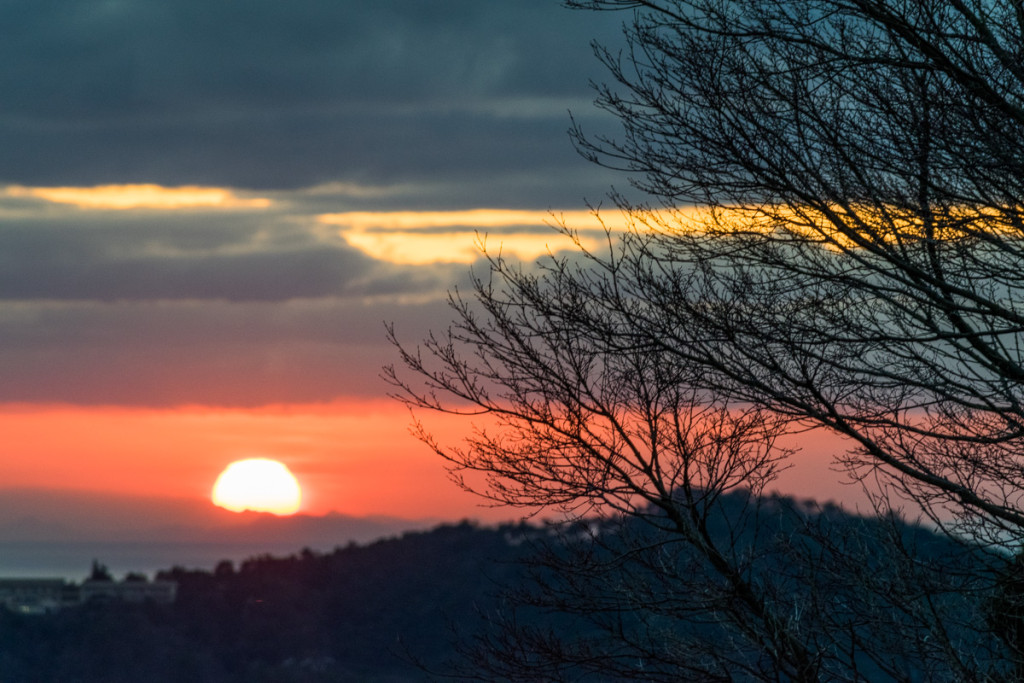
{"type": "Point", "coordinates": [209, 209]}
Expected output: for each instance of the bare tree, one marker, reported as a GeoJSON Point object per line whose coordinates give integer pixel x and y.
{"type": "Point", "coordinates": [832, 239]}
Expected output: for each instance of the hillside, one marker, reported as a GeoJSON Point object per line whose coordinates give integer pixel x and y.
{"type": "Point", "coordinates": [369, 612]}
{"type": "Point", "coordinates": [362, 612]}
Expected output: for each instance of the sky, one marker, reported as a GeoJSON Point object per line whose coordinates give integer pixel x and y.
{"type": "Point", "coordinates": [210, 209]}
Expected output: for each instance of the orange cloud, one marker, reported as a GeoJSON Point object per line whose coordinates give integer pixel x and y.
{"type": "Point", "coordinates": [144, 196]}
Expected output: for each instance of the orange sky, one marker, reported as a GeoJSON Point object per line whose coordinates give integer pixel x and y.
{"type": "Point", "coordinates": [356, 458]}
{"type": "Point", "coordinates": [353, 458]}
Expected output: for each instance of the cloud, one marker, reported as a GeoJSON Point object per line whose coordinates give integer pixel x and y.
{"type": "Point", "coordinates": [146, 196]}
{"type": "Point", "coordinates": [134, 56]}
{"type": "Point", "coordinates": [201, 197]}
{"type": "Point", "coordinates": [424, 237]}
{"type": "Point", "coordinates": [120, 254]}
{"type": "Point", "coordinates": [284, 95]}
{"type": "Point", "coordinates": [150, 243]}
{"type": "Point", "coordinates": [229, 305]}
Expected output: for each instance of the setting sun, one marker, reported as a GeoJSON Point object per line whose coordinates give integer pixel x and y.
{"type": "Point", "coordinates": [257, 484]}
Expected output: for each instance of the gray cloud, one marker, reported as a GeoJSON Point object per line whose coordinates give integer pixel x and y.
{"type": "Point", "coordinates": [229, 308]}
{"type": "Point", "coordinates": [53, 253]}
{"type": "Point", "coordinates": [87, 59]}
{"type": "Point", "coordinates": [323, 106]}
{"type": "Point", "coordinates": [271, 94]}
{"type": "Point", "coordinates": [237, 258]}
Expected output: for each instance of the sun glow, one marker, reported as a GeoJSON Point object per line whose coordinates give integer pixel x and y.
{"type": "Point", "coordinates": [257, 484]}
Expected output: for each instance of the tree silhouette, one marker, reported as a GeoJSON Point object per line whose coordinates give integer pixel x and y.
{"type": "Point", "coordinates": [99, 572]}
{"type": "Point", "coordinates": [831, 239]}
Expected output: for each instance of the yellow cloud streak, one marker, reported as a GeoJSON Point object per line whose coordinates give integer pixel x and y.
{"type": "Point", "coordinates": [142, 196]}
{"type": "Point", "coordinates": [848, 227]}
{"type": "Point", "coordinates": [422, 237]}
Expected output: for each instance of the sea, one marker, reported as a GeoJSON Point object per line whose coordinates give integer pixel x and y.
{"type": "Point", "coordinates": [73, 561]}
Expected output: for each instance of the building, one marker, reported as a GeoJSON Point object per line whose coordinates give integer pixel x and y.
{"type": "Point", "coordinates": [37, 596]}
{"type": "Point", "coordinates": [44, 596]}
{"type": "Point", "coordinates": [161, 592]}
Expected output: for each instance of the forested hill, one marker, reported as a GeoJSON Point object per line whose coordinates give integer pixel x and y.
{"type": "Point", "coordinates": [359, 613]}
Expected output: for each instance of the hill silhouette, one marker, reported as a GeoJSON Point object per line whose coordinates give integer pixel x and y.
{"type": "Point", "coordinates": [389, 610]}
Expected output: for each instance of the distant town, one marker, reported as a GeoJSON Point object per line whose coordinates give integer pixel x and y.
{"type": "Point", "coordinates": [49, 595]}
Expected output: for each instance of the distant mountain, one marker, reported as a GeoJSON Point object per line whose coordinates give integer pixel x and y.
{"type": "Point", "coordinates": [47, 533]}
{"type": "Point", "coordinates": [299, 531]}
{"type": "Point", "coordinates": [43, 515]}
